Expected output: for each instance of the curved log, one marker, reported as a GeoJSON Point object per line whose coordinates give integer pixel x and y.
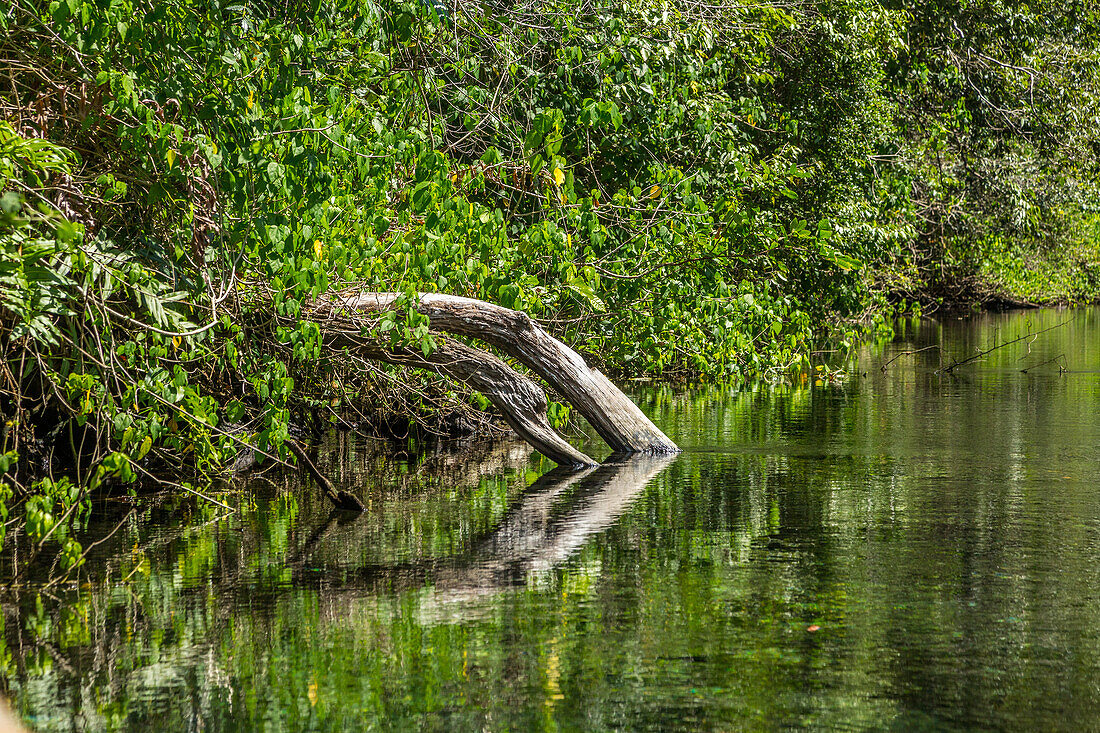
{"type": "Point", "coordinates": [614, 416]}
{"type": "Point", "coordinates": [520, 401]}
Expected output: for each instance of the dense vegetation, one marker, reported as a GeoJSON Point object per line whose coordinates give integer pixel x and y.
{"type": "Point", "coordinates": [677, 189]}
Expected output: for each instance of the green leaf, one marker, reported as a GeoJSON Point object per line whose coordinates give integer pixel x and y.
{"type": "Point", "coordinates": [586, 292]}
{"type": "Point", "coordinates": [845, 262]}
{"type": "Point", "coordinates": [11, 202]}
{"type": "Point", "coordinates": [144, 448]}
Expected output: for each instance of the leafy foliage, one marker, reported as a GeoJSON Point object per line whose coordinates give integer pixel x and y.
{"type": "Point", "coordinates": [1000, 105]}
{"type": "Point", "coordinates": [677, 189]}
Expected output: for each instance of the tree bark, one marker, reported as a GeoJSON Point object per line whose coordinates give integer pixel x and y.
{"type": "Point", "coordinates": [520, 401]}
{"type": "Point", "coordinates": [611, 413]}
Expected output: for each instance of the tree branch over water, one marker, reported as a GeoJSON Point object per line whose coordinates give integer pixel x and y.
{"type": "Point", "coordinates": [984, 352]}
{"type": "Point", "coordinates": [908, 352]}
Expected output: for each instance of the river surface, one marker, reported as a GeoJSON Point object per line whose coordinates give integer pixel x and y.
{"type": "Point", "coordinates": [883, 546]}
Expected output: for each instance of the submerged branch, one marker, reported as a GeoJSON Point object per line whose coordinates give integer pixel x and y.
{"type": "Point", "coordinates": [340, 499]}
{"type": "Point", "coordinates": [907, 352]}
{"type": "Point", "coordinates": [983, 352]}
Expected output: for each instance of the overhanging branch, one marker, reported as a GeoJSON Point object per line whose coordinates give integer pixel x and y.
{"type": "Point", "coordinates": [611, 413]}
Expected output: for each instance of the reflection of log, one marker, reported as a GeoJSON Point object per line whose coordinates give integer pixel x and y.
{"type": "Point", "coordinates": [613, 415]}
{"type": "Point", "coordinates": [539, 533]}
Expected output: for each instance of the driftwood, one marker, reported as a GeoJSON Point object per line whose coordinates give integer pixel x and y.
{"type": "Point", "coordinates": [345, 318]}
{"type": "Point", "coordinates": [611, 413]}
{"type": "Point", "coordinates": [983, 352]}
{"type": "Point", "coordinates": [520, 401]}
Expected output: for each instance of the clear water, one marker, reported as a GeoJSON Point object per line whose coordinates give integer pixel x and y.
{"type": "Point", "coordinates": [904, 549]}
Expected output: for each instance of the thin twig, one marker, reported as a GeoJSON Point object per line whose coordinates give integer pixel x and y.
{"type": "Point", "coordinates": [910, 352]}
{"type": "Point", "coordinates": [982, 353]}
{"type": "Point", "coordinates": [174, 485]}
{"type": "Point", "coordinates": [89, 548]}
{"type": "Point", "coordinates": [1063, 365]}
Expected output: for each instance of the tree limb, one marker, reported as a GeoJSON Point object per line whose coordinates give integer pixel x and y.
{"type": "Point", "coordinates": [614, 416]}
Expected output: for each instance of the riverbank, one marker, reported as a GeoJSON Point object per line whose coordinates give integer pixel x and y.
{"type": "Point", "coordinates": [1002, 273]}
{"type": "Point", "coordinates": [1069, 277]}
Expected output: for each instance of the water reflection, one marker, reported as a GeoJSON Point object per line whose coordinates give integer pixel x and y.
{"type": "Point", "coordinates": [542, 529]}
{"type": "Point", "coordinates": [898, 549]}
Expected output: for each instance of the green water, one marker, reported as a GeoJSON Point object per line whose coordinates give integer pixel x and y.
{"type": "Point", "coordinates": [905, 549]}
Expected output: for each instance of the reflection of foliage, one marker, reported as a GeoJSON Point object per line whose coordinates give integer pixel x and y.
{"type": "Point", "coordinates": [831, 506]}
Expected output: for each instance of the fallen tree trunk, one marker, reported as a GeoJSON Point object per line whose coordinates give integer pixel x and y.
{"type": "Point", "coordinates": [611, 413]}
{"type": "Point", "coordinates": [520, 401]}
